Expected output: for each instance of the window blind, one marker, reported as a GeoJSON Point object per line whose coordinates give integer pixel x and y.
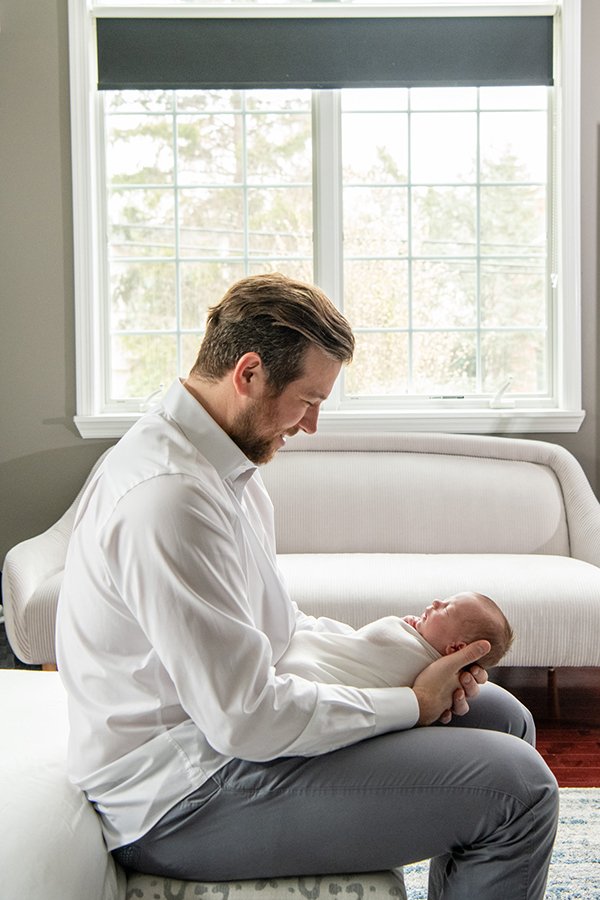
{"type": "Point", "coordinates": [246, 53]}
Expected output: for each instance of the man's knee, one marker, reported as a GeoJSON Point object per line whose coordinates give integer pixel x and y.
{"type": "Point", "coordinates": [496, 709]}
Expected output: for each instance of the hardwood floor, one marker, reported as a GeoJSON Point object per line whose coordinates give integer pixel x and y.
{"type": "Point", "coordinates": [567, 716]}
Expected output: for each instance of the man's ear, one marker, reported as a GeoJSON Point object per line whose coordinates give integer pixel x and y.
{"type": "Point", "coordinates": [452, 648]}
{"type": "Point", "coordinates": [249, 375]}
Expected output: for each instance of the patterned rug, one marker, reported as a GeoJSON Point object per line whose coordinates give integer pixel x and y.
{"type": "Point", "coordinates": [575, 867]}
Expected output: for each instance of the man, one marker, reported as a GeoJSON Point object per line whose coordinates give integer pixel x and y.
{"type": "Point", "coordinates": [202, 762]}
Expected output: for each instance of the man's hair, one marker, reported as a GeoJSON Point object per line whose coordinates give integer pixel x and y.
{"type": "Point", "coordinates": [492, 626]}
{"type": "Point", "coordinates": [278, 318]}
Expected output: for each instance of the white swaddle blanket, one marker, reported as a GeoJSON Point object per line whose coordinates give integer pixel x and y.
{"type": "Point", "coordinates": [386, 653]}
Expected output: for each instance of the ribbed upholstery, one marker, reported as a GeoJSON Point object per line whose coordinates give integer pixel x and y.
{"type": "Point", "coordinates": [332, 502]}
{"type": "Point", "coordinates": [31, 579]}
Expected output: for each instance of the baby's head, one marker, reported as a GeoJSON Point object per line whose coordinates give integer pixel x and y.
{"type": "Point", "coordinates": [451, 624]}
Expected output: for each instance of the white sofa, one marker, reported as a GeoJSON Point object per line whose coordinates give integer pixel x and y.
{"type": "Point", "coordinates": [369, 525]}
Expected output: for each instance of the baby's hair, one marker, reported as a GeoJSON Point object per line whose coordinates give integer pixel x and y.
{"type": "Point", "coordinates": [494, 628]}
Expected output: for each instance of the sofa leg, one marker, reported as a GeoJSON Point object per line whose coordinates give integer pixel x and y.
{"type": "Point", "coordinates": [553, 698]}
{"type": "Point", "coordinates": [49, 667]}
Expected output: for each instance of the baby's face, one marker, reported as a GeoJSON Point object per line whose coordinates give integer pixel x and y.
{"type": "Point", "coordinates": [444, 624]}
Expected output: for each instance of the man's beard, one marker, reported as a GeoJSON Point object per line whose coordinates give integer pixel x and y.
{"type": "Point", "coordinates": [258, 448]}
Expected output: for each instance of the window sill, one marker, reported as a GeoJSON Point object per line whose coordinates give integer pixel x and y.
{"type": "Point", "coordinates": [457, 421]}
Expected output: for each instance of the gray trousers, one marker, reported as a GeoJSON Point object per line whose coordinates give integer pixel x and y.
{"type": "Point", "coordinates": [475, 797]}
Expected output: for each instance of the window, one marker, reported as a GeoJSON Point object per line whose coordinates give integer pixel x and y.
{"type": "Point", "coordinates": [435, 216]}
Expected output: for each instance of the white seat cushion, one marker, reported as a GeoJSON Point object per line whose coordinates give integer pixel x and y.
{"type": "Point", "coordinates": [552, 602]}
{"type": "Point", "coordinates": [52, 846]}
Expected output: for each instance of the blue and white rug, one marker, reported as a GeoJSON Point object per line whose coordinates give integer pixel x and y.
{"type": "Point", "coordinates": [575, 867]}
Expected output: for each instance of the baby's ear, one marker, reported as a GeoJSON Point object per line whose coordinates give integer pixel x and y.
{"type": "Point", "coordinates": [452, 648]}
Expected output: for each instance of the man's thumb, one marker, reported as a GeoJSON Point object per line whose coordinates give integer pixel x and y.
{"type": "Point", "coordinates": [471, 653]}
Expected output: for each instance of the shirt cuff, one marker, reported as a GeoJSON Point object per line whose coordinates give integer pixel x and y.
{"type": "Point", "coordinates": [396, 709]}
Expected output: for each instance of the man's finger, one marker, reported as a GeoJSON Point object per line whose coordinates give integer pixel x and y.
{"type": "Point", "coordinates": [469, 654]}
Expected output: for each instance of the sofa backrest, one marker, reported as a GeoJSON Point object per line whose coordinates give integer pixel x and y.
{"type": "Point", "coordinates": [417, 496]}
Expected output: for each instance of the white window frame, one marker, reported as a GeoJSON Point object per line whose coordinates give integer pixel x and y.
{"type": "Point", "coordinates": [566, 415]}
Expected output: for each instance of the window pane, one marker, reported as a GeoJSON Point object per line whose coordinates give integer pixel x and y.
{"type": "Point", "coordinates": [444, 221]}
{"type": "Point", "coordinates": [278, 148]}
{"type": "Point", "coordinates": [379, 367]}
{"type": "Point", "coordinates": [139, 149]}
{"type": "Point", "coordinates": [141, 222]}
{"type": "Point", "coordinates": [280, 221]}
{"type": "Point", "coordinates": [140, 363]}
{"type": "Point", "coordinates": [374, 99]}
{"type": "Point", "coordinates": [375, 147]}
{"type": "Point", "coordinates": [143, 295]}
{"type": "Point", "coordinates": [376, 293]}
{"type": "Point", "coordinates": [208, 101]}
{"type": "Point", "coordinates": [445, 363]}
{"type": "Point", "coordinates": [302, 269]}
{"type": "Point", "coordinates": [189, 346]}
{"type": "Point", "coordinates": [138, 101]}
{"type": "Point", "coordinates": [209, 149]}
{"type": "Point", "coordinates": [280, 101]}
{"type": "Point", "coordinates": [513, 292]}
{"type": "Point", "coordinates": [201, 285]}
{"type": "Point", "coordinates": [520, 354]}
{"type": "Point", "coordinates": [443, 147]}
{"type": "Point", "coordinates": [211, 222]}
{"type": "Point", "coordinates": [375, 221]}
{"type": "Point", "coordinates": [513, 220]}
{"type": "Point", "coordinates": [513, 146]}
{"type": "Point", "coordinates": [532, 97]}
{"type": "Point", "coordinates": [443, 98]}
{"type": "Point", "coordinates": [444, 294]}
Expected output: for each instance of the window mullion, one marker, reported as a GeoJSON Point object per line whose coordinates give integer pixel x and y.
{"type": "Point", "coordinates": [328, 226]}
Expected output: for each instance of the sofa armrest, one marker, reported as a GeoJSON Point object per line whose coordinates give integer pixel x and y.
{"type": "Point", "coordinates": [581, 505]}
{"type": "Point", "coordinates": [31, 577]}
{"type": "Point", "coordinates": [31, 580]}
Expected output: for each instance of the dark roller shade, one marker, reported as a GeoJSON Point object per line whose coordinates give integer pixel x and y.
{"type": "Point", "coordinates": [148, 53]}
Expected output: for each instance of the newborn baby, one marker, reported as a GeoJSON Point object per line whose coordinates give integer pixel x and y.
{"type": "Point", "coordinates": [391, 651]}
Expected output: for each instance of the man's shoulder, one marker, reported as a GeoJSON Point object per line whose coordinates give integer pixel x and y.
{"type": "Point", "coordinates": [157, 468]}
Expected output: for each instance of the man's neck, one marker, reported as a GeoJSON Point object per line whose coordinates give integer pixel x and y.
{"type": "Point", "coordinates": [212, 396]}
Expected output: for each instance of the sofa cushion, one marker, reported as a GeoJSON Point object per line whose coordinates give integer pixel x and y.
{"type": "Point", "coordinates": [552, 602]}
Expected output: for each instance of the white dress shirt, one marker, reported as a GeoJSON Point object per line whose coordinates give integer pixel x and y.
{"type": "Point", "coordinates": [386, 653]}
{"type": "Point", "coordinates": [171, 618]}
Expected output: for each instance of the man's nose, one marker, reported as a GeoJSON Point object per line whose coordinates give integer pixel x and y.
{"type": "Point", "coordinates": [308, 422]}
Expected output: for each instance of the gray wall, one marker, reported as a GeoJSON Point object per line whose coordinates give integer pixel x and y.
{"type": "Point", "coordinates": [43, 461]}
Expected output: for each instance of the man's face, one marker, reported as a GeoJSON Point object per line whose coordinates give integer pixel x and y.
{"type": "Point", "coordinates": [261, 430]}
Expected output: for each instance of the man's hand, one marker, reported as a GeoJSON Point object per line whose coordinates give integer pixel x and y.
{"type": "Point", "coordinates": [443, 689]}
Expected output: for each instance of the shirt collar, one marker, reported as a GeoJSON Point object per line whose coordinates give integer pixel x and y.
{"type": "Point", "coordinates": [209, 438]}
